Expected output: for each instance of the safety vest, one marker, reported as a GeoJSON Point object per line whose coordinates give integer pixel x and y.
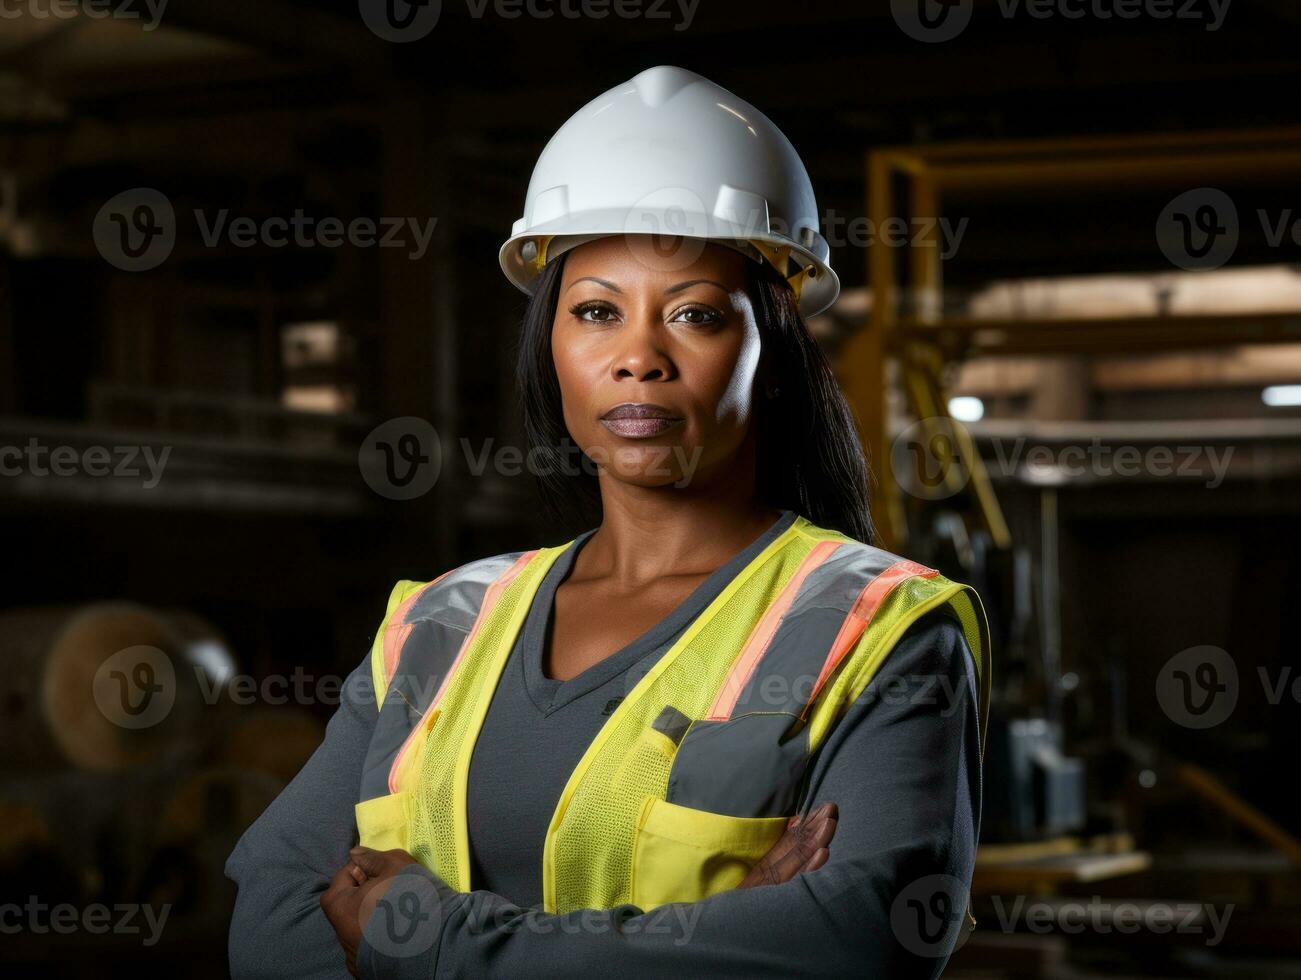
{"type": "Point", "coordinates": [694, 775]}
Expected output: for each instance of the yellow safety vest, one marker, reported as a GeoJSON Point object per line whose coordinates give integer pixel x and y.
{"type": "Point", "coordinates": [692, 778]}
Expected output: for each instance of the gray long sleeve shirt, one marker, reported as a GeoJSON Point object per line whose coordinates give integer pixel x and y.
{"type": "Point", "coordinates": [903, 765]}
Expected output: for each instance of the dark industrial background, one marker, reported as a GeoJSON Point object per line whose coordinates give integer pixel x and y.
{"type": "Point", "coordinates": [1125, 287]}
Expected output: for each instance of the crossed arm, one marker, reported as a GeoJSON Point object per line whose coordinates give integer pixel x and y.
{"type": "Point", "coordinates": [903, 766]}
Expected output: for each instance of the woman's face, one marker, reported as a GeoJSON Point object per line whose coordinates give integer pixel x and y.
{"type": "Point", "coordinates": [681, 343]}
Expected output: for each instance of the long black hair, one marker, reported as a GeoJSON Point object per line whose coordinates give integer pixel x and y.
{"type": "Point", "coordinates": [809, 457]}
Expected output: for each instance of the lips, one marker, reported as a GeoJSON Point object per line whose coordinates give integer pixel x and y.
{"type": "Point", "coordinates": [640, 410]}
{"type": "Point", "coordinates": [639, 420]}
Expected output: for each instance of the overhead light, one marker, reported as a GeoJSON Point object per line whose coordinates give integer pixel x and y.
{"type": "Point", "coordinates": [967, 408]}
{"type": "Point", "coordinates": [1281, 396]}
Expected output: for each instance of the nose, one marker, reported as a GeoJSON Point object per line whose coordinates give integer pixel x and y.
{"type": "Point", "coordinates": [641, 355]}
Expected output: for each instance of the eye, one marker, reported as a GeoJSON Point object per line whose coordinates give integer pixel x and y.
{"type": "Point", "coordinates": [700, 316]}
{"type": "Point", "coordinates": [594, 307]}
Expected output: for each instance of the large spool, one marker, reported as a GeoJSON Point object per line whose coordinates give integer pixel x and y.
{"type": "Point", "coordinates": [107, 686]}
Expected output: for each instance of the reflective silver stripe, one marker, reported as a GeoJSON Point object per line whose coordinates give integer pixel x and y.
{"type": "Point", "coordinates": [752, 763]}
{"type": "Point", "coordinates": [439, 621]}
{"type": "Point", "coordinates": [784, 678]}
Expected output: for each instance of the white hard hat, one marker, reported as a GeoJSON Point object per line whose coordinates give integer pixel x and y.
{"type": "Point", "coordinates": [670, 153]}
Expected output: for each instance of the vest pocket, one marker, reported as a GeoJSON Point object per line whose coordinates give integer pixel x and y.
{"type": "Point", "coordinates": [684, 855]}
{"type": "Point", "coordinates": [382, 823]}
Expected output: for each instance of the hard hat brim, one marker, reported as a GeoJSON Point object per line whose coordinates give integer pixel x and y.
{"type": "Point", "coordinates": [818, 291]}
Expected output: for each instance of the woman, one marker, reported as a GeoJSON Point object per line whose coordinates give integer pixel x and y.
{"type": "Point", "coordinates": [719, 733]}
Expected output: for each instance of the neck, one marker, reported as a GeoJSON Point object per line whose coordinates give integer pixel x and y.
{"type": "Point", "coordinates": [650, 532]}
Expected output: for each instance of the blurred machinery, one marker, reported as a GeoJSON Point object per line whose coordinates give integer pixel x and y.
{"type": "Point", "coordinates": [1066, 806]}
{"type": "Point", "coordinates": [131, 765]}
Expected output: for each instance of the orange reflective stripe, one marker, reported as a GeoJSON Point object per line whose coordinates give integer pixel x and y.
{"type": "Point", "coordinates": [860, 614]}
{"type": "Point", "coordinates": [489, 600]}
{"type": "Point", "coordinates": [760, 639]}
{"type": "Point", "coordinates": [397, 632]}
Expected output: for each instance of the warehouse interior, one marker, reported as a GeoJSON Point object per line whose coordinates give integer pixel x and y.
{"type": "Point", "coordinates": [1069, 329]}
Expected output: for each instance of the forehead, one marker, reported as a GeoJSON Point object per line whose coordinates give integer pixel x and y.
{"type": "Point", "coordinates": [645, 261]}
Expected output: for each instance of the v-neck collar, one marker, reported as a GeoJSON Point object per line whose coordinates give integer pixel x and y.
{"type": "Point", "coordinates": [549, 694]}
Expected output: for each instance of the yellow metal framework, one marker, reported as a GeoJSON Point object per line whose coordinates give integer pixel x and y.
{"type": "Point", "coordinates": [922, 342]}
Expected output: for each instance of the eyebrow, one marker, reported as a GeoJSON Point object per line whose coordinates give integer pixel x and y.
{"type": "Point", "coordinates": [668, 292]}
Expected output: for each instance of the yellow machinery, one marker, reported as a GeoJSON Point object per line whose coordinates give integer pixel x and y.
{"type": "Point", "coordinates": [905, 322]}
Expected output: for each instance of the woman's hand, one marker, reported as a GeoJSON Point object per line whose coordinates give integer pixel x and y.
{"type": "Point", "coordinates": [359, 885]}
{"type": "Point", "coordinates": [354, 891]}
{"type": "Point", "coordinates": [803, 847]}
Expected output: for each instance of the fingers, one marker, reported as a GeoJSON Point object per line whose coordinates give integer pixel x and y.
{"type": "Point", "coordinates": [813, 835]}
{"type": "Point", "coordinates": [377, 864]}
{"type": "Point", "coordinates": [818, 859]}
{"type": "Point", "coordinates": [380, 864]}
{"type": "Point", "coordinates": [784, 843]}
{"type": "Point", "coordinates": [369, 861]}
{"type": "Point", "coordinates": [343, 879]}
{"type": "Point", "coordinates": [803, 846]}
{"type": "Point", "coordinates": [821, 834]}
